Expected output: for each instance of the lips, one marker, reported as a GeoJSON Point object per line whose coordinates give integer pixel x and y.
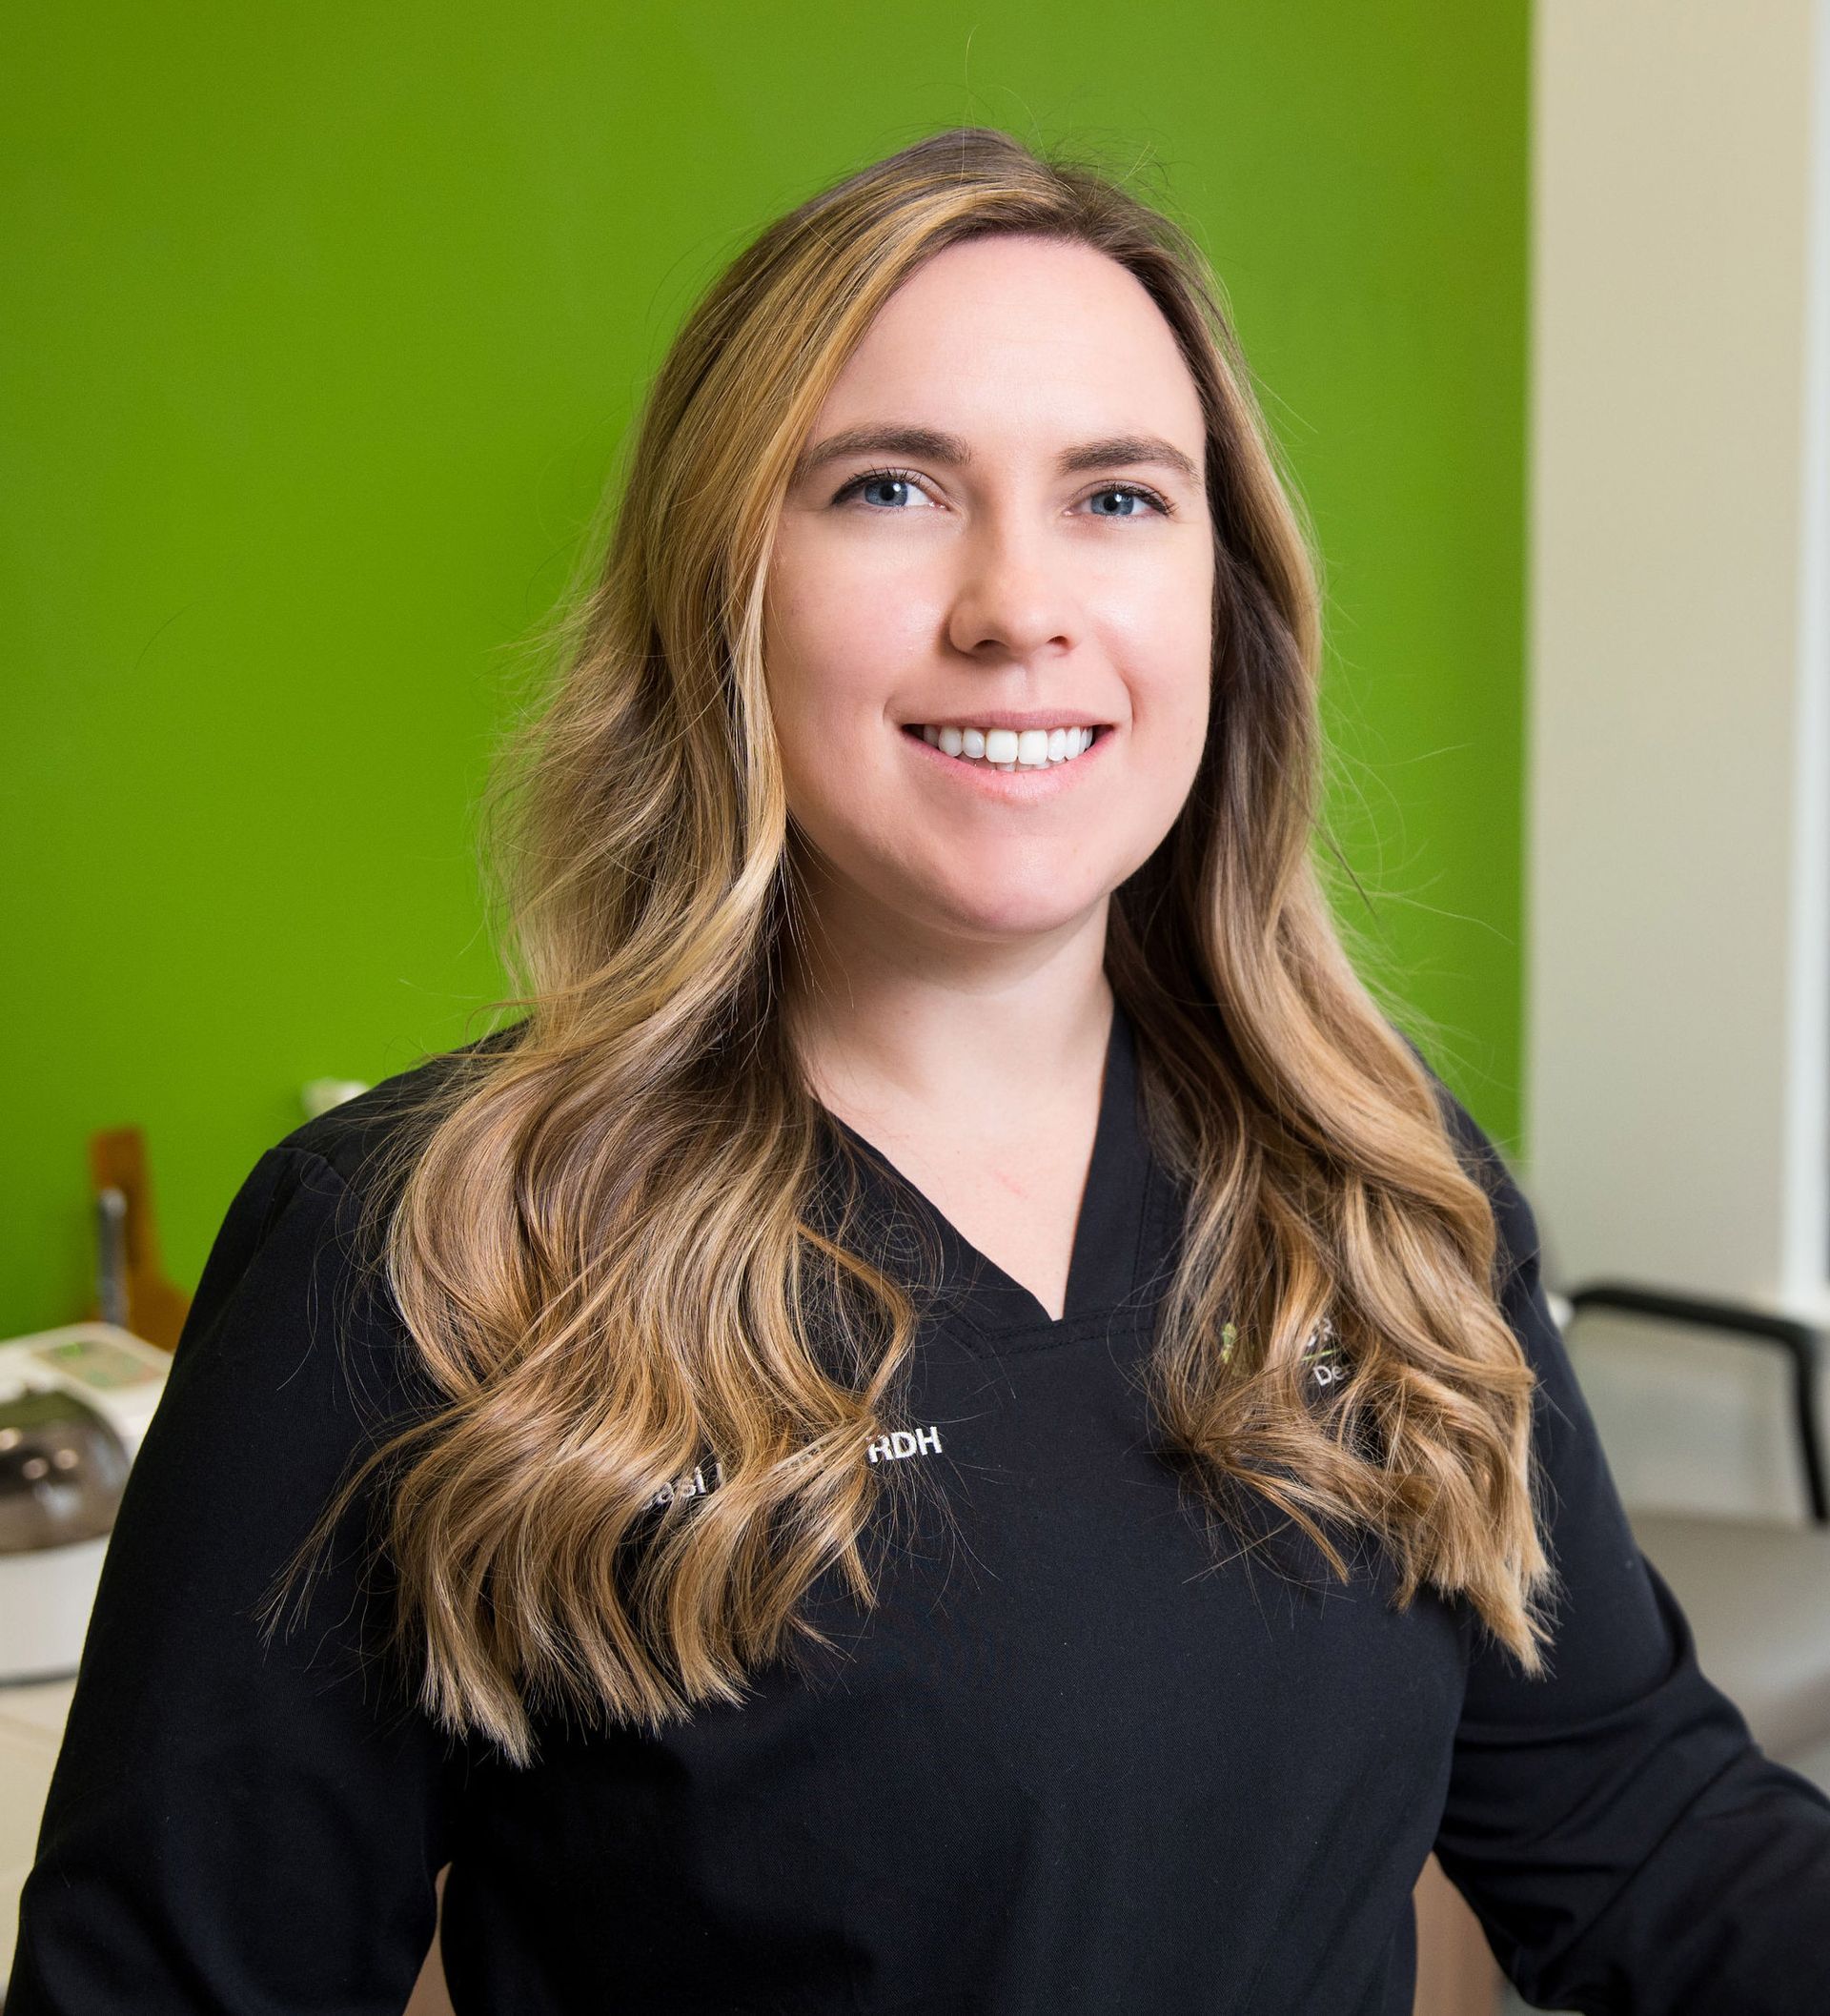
{"type": "Point", "coordinates": [1018, 719]}
{"type": "Point", "coordinates": [1007, 763]}
{"type": "Point", "coordinates": [1028, 748]}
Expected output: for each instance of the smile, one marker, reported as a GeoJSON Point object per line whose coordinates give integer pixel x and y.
{"type": "Point", "coordinates": [1009, 750]}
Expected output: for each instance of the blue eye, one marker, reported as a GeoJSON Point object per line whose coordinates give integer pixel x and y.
{"type": "Point", "coordinates": [908, 480]}
{"type": "Point", "coordinates": [900, 477]}
{"type": "Point", "coordinates": [884, 484]}
{"type": "Point", "coordinates": [1136, 492]}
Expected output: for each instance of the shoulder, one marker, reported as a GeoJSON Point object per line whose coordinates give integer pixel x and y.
{"type": "Point", "coordinates": [1516, 1223]}
{"type": "Point", "coordinates": [356, 1139]}
{"type": "Point", "coordinates": [301, 1233]}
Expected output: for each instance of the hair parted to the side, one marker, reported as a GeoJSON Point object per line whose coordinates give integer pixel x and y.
{"type": "Point", "coordinates": [595, 1228]}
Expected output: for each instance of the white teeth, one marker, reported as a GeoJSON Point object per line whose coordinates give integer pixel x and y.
{"type": "Point", "coordinates": [1008, 749]}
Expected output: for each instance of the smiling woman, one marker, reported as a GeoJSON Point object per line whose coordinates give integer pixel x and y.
{"type": "Point", "coordinates": [988, 584]}
{"type": "Point", "coordinates": [816, 1387]}
{"type": "Point", "coordinates": [934, 635]}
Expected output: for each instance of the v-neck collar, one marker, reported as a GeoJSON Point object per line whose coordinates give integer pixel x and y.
{"type": "Point", "coordinates": [1121, 1207]}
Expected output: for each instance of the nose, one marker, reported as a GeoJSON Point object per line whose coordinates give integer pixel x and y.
{"type": "Point", "coordinates": [1015, 598]}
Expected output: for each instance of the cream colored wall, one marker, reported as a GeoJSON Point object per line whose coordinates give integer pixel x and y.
{"type": "Point", "coordinates": [1679, 845]}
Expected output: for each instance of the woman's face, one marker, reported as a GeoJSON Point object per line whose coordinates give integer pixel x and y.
{"type": "Point", "coordinates": [1000, 526]}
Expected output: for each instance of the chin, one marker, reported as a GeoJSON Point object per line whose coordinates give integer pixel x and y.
{"type": "Point", "coordinates": [1032, 913]}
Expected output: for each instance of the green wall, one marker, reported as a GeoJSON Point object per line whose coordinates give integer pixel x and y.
{"type": "Point", "coordinates": [323, 326]}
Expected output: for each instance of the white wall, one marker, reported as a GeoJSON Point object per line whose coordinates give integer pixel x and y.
{"type": "Point", "coordinates": [1678, 843]}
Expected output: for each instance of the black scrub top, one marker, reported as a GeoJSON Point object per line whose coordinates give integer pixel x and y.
{"type": "Point", "coordinates": [1077, 1760]}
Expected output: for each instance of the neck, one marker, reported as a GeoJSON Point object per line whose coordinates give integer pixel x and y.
{"type": "Point", "coordinates": [900, 1026]}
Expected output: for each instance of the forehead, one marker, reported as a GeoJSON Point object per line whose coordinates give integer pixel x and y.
{"type": "Point", "coordinates": [1004, 338]}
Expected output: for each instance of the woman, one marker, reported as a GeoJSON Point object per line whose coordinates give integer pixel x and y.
{"type": "Point", "coordinates": [952, 1420]}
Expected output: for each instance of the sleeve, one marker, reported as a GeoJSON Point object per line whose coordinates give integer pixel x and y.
{"type": "Point", "coordinates": [232, 1826]}
{"type": "Point", "coordinates": [1625, 1844]}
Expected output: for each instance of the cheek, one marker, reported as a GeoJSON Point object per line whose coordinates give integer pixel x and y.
{"type": "Point", "coordinates": [1172, 694]}
{"type": "Point", "coordinates": [818, 669]}
{"type": "Point", "coordinates": [1170, 705]}
{"type": "Point", "coordinates": [834, 639]}
{"type": "Point", "coordinates": [1159, 617]}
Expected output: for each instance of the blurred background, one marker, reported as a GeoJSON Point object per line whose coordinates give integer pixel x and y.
{"type": "Point", "coordinates": [325, 327]}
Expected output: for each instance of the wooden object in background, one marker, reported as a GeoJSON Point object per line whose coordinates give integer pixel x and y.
{"type": "Point", "coordinates": [155, 1308]}
{"type": "Point", "coordinates": [429, 1995]}
{"type": "Point", "coordinates": [1456, 1973]}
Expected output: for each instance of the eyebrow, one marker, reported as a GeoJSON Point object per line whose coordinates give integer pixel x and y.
{"type": "Point", "coordinates": [931, 445]}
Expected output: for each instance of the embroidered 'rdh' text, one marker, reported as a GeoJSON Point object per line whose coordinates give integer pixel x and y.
{"type": "Point", "coordinates": [905, 1442]}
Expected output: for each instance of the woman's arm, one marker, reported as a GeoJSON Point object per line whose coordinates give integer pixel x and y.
{"type": "Point", "coordinates": [1625, 1843]}
{"type": "Point", "coordinates": [230, 1827]}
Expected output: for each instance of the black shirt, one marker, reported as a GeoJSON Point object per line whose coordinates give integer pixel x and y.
{"type": "Point", "coordinates": [1075, 1762]}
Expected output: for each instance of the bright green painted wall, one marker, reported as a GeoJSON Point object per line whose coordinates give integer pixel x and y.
{"type": "Point", "coordinates": [323, 325]}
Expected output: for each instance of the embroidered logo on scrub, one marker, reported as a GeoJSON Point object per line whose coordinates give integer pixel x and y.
{"type": "Point", "coordinates": [694, 1484]}
{"type": "Point", "coordinates": [1323, 1352]}
{"type": "Point", "coordinates": [893, 1448]}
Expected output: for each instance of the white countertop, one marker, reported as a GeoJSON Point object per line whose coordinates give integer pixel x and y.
{"type": "Point", "coordinates": [31, 1727]}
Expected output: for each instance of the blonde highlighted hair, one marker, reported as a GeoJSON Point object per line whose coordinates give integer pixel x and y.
{"type": "Point", "coordinates": [596, 1224]}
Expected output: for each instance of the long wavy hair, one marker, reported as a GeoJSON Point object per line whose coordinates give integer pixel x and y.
{"type": "Point", "coordinates": [595, 1223]}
